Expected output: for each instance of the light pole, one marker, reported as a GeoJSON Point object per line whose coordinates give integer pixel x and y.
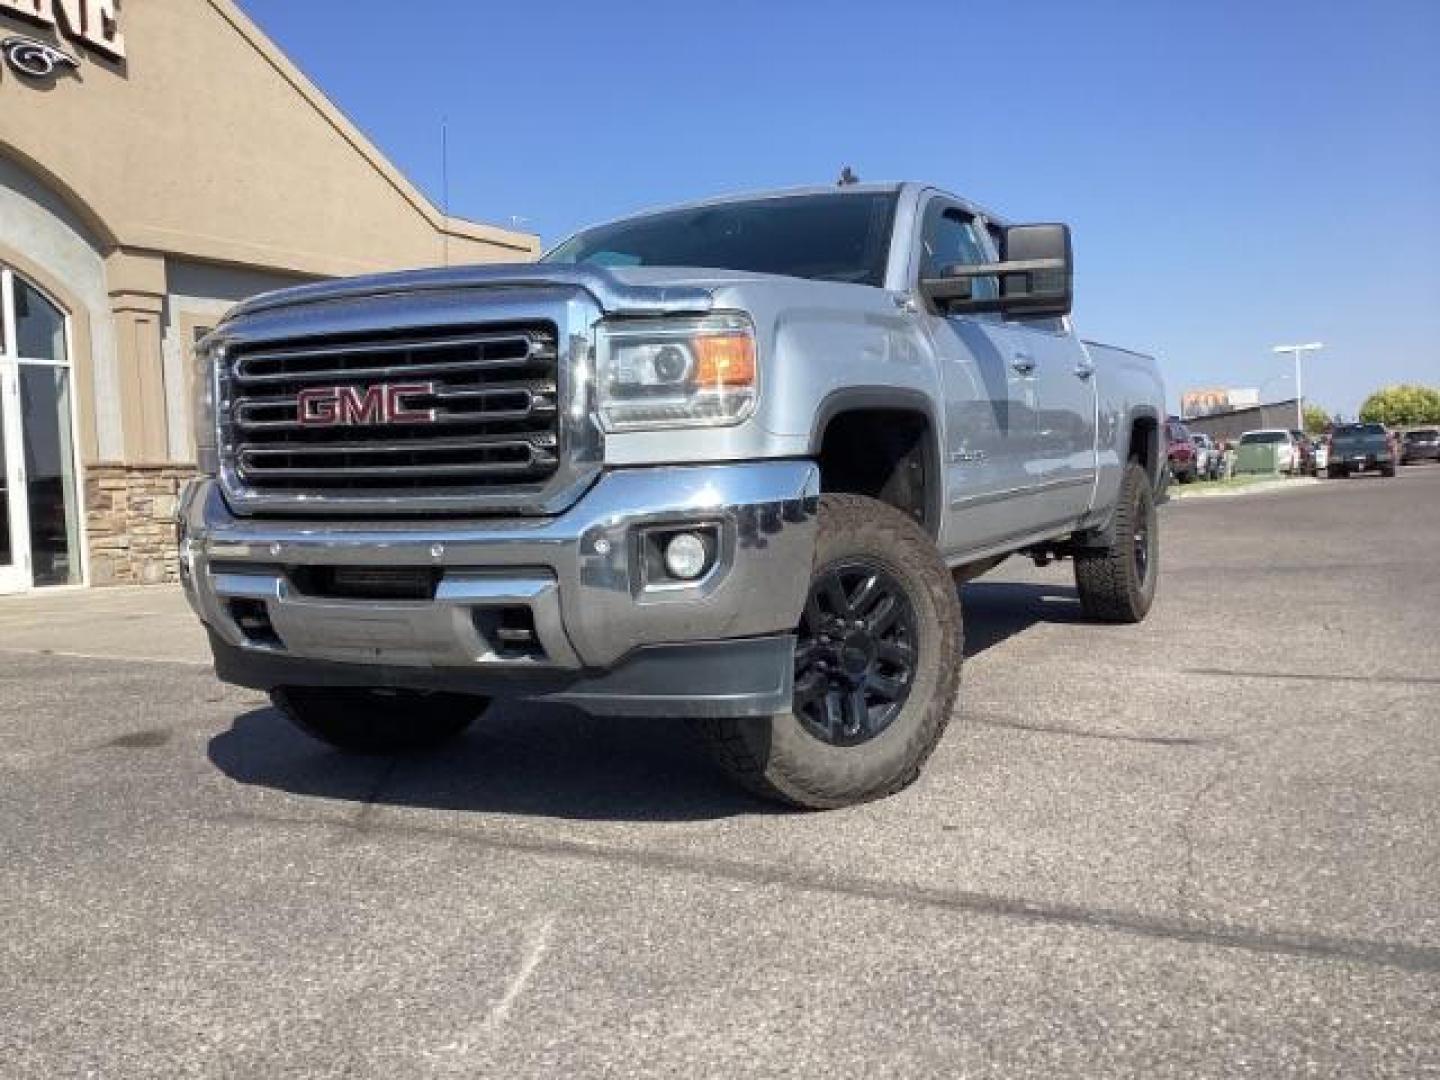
{"type": "Point", "coordinates": [1312, 346]}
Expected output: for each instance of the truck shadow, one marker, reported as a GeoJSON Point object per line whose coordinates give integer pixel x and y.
{"type": "Point", "coordinates": [520, 758]}
{"type": "Point", "coordinates": [556, 762]}
{"type": "Point", "coordinates": [996, 611]}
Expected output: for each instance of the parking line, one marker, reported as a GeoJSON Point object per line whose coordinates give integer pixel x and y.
{"type": "Point", "coordinates": [65, 654]}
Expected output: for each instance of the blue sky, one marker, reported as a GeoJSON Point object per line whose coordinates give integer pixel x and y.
{"type": "Point", "coordinates": [1238, 174]}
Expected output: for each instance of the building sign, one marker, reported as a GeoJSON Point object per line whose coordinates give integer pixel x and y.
{"type": "Point", "coordinates": [35, 58]}
{"type": "Point", "coordinates": [91, 24]}
{"type": "Point", "coordinates": [1194, 403]}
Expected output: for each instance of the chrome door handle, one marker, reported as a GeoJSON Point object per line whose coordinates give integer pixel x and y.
{"type": "Point", "coordinates": [1085, 370]}
{"type": "Point", "coordinates": [1022, 362]}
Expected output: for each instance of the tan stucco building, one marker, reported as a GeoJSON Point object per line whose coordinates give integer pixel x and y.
{"type": "Point", "coordinates": [159, 160]}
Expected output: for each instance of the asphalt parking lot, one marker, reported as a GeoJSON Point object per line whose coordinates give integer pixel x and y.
{"type": "Point", "coordinates": [1205, 846]}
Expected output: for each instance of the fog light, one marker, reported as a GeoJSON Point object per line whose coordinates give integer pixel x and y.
{"type": "Point", "coordinates": [686, 556]}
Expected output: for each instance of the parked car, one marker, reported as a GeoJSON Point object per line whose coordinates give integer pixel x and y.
{"type": "Point", "coordinates": [1209, 460]}
{"type": "Point", "coordinates": [1183, 455]}
{"type": "Point", "coordinates": [724, 461]}
{"type": "Point", "coordinates": [1322, 453]}
{"type": "Point", "coordinates": [1420, 444]}
{"type": "Point", "coordinates": [1287, 454]}
{"type": "Point", "coordinates": [1361, 448]}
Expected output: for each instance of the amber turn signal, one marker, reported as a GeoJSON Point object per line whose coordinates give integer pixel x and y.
{"type": "Point", "coordinates": [725, 360]}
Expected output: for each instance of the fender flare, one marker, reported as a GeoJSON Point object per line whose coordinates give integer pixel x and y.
{"type": "Point", "coordinates": [1102, 534]}
{"type": "Point", "coordinates": [1157, 448]}
{"type": "Point", "coordinates": [900, 399]}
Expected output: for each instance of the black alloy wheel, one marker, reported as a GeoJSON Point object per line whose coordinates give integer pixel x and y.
{"type": "Point", "coordinates": [1141, 541]}
{"type": "Point", "coordinates": [1116, 583]}
{"type": "Point", "coordinates": [879, 646]}
{"type": "Point", "coordinates": [855, 653]}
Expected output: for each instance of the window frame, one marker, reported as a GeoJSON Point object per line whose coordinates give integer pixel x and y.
{"type": "Point", "coordinates": [10, 276]}
{"type": "Point", "coordinates": [948, 204]}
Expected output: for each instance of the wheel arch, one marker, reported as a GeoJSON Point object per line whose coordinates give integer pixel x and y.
{"type": "Point", "coordinates": [1143, 429]}
{"type": "Point", "coordinates": [908, 435]}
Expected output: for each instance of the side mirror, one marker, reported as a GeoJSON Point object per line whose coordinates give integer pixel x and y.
{"type": "Point", "coordinates": [1036, 277]}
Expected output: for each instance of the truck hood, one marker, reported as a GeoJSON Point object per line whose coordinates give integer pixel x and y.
{"type": "Point", "coordinates": [692, 277]}
{"type": "Point", "coordinates": [618, 290]}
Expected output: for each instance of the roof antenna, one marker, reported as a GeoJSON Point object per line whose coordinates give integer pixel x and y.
{"type": "Point", "coordinates": [847, 177]}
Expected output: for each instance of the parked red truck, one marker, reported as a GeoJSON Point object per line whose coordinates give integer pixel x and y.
{"type": "Point", "coordinates": [1182, 454]}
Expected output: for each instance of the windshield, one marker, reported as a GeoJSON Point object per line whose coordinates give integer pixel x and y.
{"type": "Point", "coordinates": [1357, 431]}
{"type": "Point", "coordinates": [841, 237]}
{"type": "Point", "coordinates": [1263, 437]}
{"type": "Point", "coordinates": [1422, 434]}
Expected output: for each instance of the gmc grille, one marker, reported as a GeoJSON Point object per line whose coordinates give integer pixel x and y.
{"type": "Point", "coordinates": [490, 395]}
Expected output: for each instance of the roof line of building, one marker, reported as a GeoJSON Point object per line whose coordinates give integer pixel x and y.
{"type": "Point", "coordinates": [527, 243]}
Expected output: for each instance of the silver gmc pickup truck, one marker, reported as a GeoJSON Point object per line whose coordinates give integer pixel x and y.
{"type": "Point", "coordinates": [726, 461]}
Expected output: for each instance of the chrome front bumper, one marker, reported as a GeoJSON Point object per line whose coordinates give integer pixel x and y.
{"type": "Point", "coordinates": [579, 575]}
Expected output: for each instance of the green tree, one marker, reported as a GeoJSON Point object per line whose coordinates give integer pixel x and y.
{"type": "Point", "coordinates": [1316, 419]}
{"type": "Point", "coordinates": [1398, 406]}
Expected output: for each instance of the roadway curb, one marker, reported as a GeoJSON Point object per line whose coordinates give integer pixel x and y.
{"type": "Point", "coordinates": [1177, 492]}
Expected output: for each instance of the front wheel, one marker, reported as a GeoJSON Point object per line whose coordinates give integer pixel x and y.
{"type": "Point", "coordinates": [1117, 583]}
{"type": "Point", "coordinates": [364, 721]}
{"type": "Point", "coordinates": [877, 668]}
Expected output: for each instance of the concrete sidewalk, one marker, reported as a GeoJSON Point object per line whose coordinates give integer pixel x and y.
{"type": "Point", "coordinates": [140, 622]}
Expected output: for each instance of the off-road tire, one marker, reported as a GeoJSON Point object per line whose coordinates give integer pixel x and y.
{"type": "Point", "coordinates": [1336, 474]}
{"type": "Point", "coordinates": [778, 758]}
{"type": "Point", "coordinates": [361, 721]}
{"type": "Point", "coordinates": [1112, 583]}
{"type": "Point", "coordinates": [1387, 470]}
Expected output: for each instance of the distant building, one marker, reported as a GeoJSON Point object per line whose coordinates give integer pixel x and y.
{"type": "Point", "coordinates": [1207, 402]}
{"type": "Point", "coordinates": [1228, 426]}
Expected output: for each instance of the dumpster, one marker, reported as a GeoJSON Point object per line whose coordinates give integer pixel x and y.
{"type": "Point", "coordinates": [1257, 458]}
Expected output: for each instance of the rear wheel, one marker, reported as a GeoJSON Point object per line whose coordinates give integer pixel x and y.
{"type": "Point", "coordinates": [364, 721]}
{"type": "Point", "coordinates": [877, 668]}
{"type": "Point", "coordinates": [1117, 583]}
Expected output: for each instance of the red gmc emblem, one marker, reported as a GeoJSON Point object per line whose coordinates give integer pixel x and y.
{"type": "Point", "coordinates": [345, 406]}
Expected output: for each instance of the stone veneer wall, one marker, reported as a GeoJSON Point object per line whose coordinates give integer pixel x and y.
{"type": "Point", "coordinates": [130, 514]}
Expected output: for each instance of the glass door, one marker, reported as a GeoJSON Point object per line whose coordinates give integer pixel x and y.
{"type": "Point", "coordinates": [14, 573]}
{"type": "Point", "coordinates": [39, 505]}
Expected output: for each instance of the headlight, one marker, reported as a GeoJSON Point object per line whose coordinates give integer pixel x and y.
{"type": "Point", "coordinates": [676, 373]}
{"type": "Point", "coordinates": [206, 363]}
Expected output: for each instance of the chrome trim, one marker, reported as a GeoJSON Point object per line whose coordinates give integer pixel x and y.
{"type": "Point", "coordinates": [538, 451]}
{"type": "Point", "coordinates": [961, 502]}
{"type": "Point", "coordinates": [579, 445]}
{"type": "Point", "coordinates": [438, 633]}
{"type": "Point", "coordinates": [539, 395]}
{"type": "Point", "coordinates": [766, 512]}
{"type": "Point", "coordinates": [535, 350]}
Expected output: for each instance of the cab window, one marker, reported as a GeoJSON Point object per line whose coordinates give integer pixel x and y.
{"type": "Point", "coordinates": [951, 237]}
